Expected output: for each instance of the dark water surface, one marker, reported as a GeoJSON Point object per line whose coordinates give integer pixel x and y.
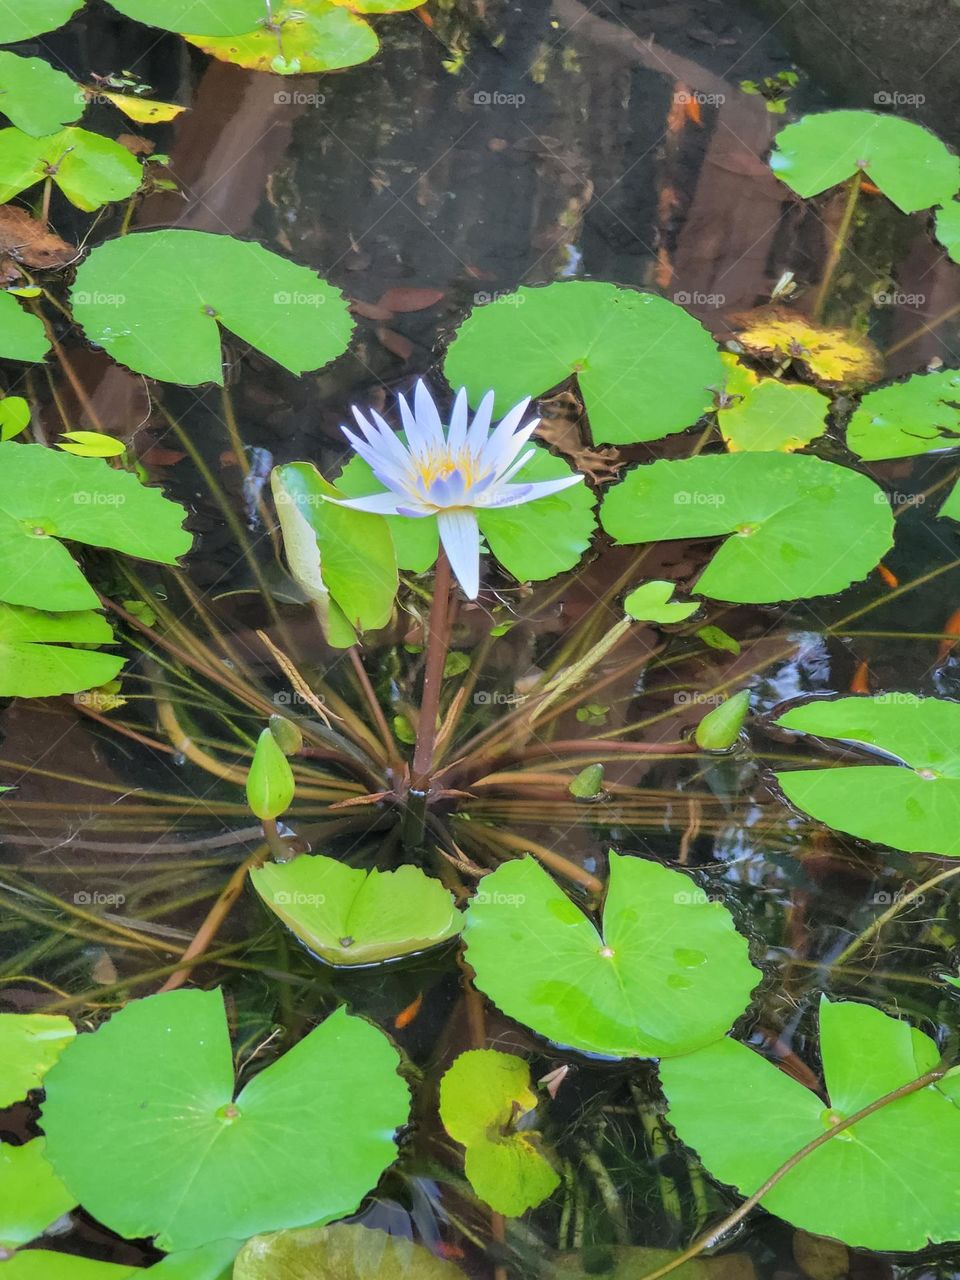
{"type": "Point", "coordinates": [553, 144]}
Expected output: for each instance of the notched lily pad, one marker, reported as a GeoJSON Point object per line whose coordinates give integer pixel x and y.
{"type": "Point", "coordinates": [24, 21]}
{"type": "Point", "coordinates": [919, 415]}
{"type": "Point", "coordinates": [152, 1092]}
{"type": "Point", "coordinates": [668, 971]}
{"type": "Point", "coordinates": [22, 335]}
{"type": "Point", "coordinates": [224, 17]}
{"type": "Point", "coordinates": [156, 300]}
{"type": "Point", "coordinates": [910, 798]}
{"type": "Point", "coordinates": [484, 1097]}
{"type": "Point", "coordinates": [46, 495]}
{"type": "Point", "coordinates": [30, 1043]}
{"type": "Point", "coordinates": [348, 916]}
{"type": "Point", "coordinates": [89, 169]}
{"type": "Point", "coordinates": [35, 660]}
{"type": "Point", "coordinates": [31, 1195]}
{"type": "Point", "coordinates": [786, 515]}
{"type": "Point", "coordinates": [907, 1153]}
{"type": "Point", "coordinates": [304, 36]}
{"type": "Point", "coordinates": [653, 602]}
{"type": "Point", "coordinates": [35, 97]}
{"type": "Point", "coordinates": [346, 1251]}
{"type": "Point", "coordinates": [766, 415]}
{"type": "Point", "coordinates": [833, 358]}
{"type": "Point", "coordinates": [643, 365]}
{"type": "Point", "coordinates": [909, 164]}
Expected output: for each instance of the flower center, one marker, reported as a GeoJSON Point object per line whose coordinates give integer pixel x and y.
{"type": "Point", "coordinates": [440, 464]}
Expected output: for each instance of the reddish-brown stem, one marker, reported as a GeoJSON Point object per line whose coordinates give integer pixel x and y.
{"type": "Point", "coordinates": [439, 630]}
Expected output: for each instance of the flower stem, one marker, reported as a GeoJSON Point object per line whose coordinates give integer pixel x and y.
{"type": "Point", "coordinates": [838, 245]}
{"type": "Point", "coordinates": [414, 819]}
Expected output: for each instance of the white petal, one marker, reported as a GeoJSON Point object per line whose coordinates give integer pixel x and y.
{"type": "Point", "coordinates": [518, 465]}
{"type": "Point", "coordinates": [428, 416]}
{"type": "Point", "coordinates": [384, 468]}
{"type": "Point", "coordinates": [513, 495]}
{"type": "Point", "coordinates": [457, 435]}
{"type": "Point", "coordinates": [460, 535]}
{"type": "Point", "coordinates": [500, 449]}
{"type": "Point", "coordinates": [379, 504]}
{"type": "Point", "coordinates": [388, 440]}
{"type": "Point", "coordinates": [480, 427]}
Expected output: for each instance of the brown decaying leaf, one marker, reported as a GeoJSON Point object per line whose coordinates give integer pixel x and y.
{"type": "Point", "coordinates": [403, 299]}
{"type": "Point", "coordinates": [137, 146]}
{"type": "Point", "coordinates": [28, 241]}
{"type": "Point", "coordinates": [370, 310]}
{"type": "Point", "coordinates": [832, 357]}
{"type": "Point", "coordinates": [395, 342]}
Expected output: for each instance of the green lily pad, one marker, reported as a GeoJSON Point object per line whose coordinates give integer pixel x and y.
{"type": "Point", "coordinates": [22, 335]}
{"type": "Point", "coordinates": [948, 228]}
{"type": "Point", "coordinates": [787, 513]}
{"type": "Point", "coordinates": [42, 1264]}
{"type": "Point", "coordinates": [343, 559]}
{"type": "Point", "coordinates": [483, 1097]}
{"type": "Point", "coordinates": [210, 1262]}
{"type": "Point", "coordinates": [380, 6]}
{"type": "Point", "coordinates": [30, 1043]}
{"type": "Point", "coordinates": [46, 495]}
{"type": "Point", "coordinates": [14, 416]}
{"type": "Point", "coordinates": [307, 35]}
{"type": "Point", "coordinates": [155, 301]}
{"type": "Point", "coordinates": [222, 18]}
{"type": "Point", "coordinates": [668, 972]}
{"type": "Point", "coordinates": [629, 1261]}
{"type": "Point", "coordinates": [768, 415]}
{"type": "Point", "coordinates": [34, 662]}
{"type": "Point", "coordinates": [343, 1252]}
{"type": "Point", "coordinates": [950, 507]}
{"type": "Point", "coordinates": [906, 1153]}
{"type": "Point", "coordinates": [909, 164]}
{"type": "Point", "coordinates": [152, 1092]}
{"type": "Point", "coordinates": [270, 783]}
{"type": "Point", "coordinates": [534, 541]}
{"type": "Point", "coordinates": [89, 169]}
{"type": "Point", "coordinates": [24, 21]}
{"type": "Point", "coordinates": [31, 1195]}
{"type": "Point", "coordinates": [35, 96]}
{"type": "Point", "coordinates": [919, 415]}
{"type": "Point", "coordinates": [645, 368]}
{"type": "Point", "coordinates": [348, 916]}
{"type": "Point", "coordinates": [652, 602]}
{"type": "Point", "coordinates": [910, 803]}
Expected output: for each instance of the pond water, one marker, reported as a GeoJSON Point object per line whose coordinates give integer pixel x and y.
{"type": "Point", "coordinates": [498, 145]}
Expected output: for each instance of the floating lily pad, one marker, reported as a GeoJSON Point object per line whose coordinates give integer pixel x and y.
{"type": "Point", "coordinates": [31, 1195]}
{"type": "Point", "coordinates": [46, 495]}
{"type": "Point", "coordinates": [950, 508]}
{"type": "Point", "coordinates": [152, 1093]}
{"type": "Point", "coordinates": [533, 541]}
{"type": "Point", "coordinates": [34, 659]}
{"type": "Point", "coordinates": [906, 1153]}
{"type": "Point", "coordinates": [643, 365]}
{"type": "Point", "coordinates": [768, 415]}
{"type": "Point", "coordinates": [909, 802]}
{"type": "Point", "coordinates": [24, 21]}
{"type": "Point", "coordinates": [948, 228]}
{"type": "Point", "coordinates": [916, 416]}
{"type": "Point", "coordinates": [800, 527]}
{"type": "Point", "coordinates": [629, 1261]}
{"type": "Point", "coordinates": [343, 559]}
{"type": "Point", "coordinates": [667, 973]}
{"type": "Point", "coordinates": [42, 1264]}
{"type": "Point", "coordinates": [210, 1262]}
{"type": "Point", "coordinates": [909, 164]}
{"type": "Point", "coordinates": [89, 169]}
{"type": "Point", "coordinates": [30, 1043]}
{"type": "Point", "coordinates": [342, 1252]}
{"type": "Point", "coordinates": [14, 416]}
{"type": "Point", "coordinates": [653, 602]}
{"type": "Point", "coordinates": [222, 18]}
{"type": "Point", "coordinates": [348, 916]}
{"type": "Point", "coordinates": [35, 96]}
{"type": "Point", "coordinates": [143, 110]}
{"type": "Point", "coordinates": [484, 1096]}
{"type": "Point", "coordinates": [155, 301]}
{"type": "Point", "coordinates": [22, 335]}
{"type": "Point", "coordinates": [833, 358]}
{"type": "Point", "coordinates": [305, 36]}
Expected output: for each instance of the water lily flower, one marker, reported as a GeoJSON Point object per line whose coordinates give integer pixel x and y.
{"type": "Point", "coordinates": [451, 473]}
